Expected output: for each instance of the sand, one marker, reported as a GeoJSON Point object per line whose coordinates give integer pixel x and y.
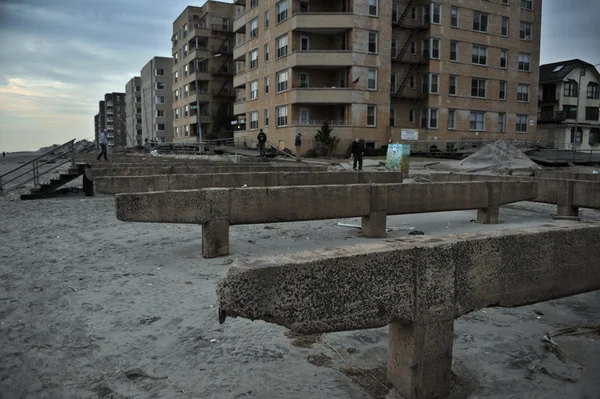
{"type": "Point", "coordinates": [91, 307]}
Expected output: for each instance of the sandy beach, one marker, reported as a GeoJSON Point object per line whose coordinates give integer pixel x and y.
{"type": "Point", "coordinates": [91, 307]}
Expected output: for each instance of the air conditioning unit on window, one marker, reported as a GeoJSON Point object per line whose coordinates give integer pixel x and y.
{"type": "Point", "coordinates": [527, 37]}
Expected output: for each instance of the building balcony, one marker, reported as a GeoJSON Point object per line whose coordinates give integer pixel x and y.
{"type": "Point", "coordinates": [321, 58]}
{"type": "Point", "coordinates": [551, 117]}
{"type": "Point", "coordinates": [239, 52]}
{"type": "Point", "coordinates": [319, 122]}
{"type": "Point", "coordinates": [417, 59]}
{"type": "Point", "coordinates": [549, 98]}
{"type": "Point", "coordinates": [241, 107]}
{"type": "Point", "coordinates": [110, 135]}
{"type": "Point", "coordinates": [326, 95]}
{"type": "Point", "coordinates": [322, 21]}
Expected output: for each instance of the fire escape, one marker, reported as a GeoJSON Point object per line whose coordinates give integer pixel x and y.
{"type": "Point", "coordinates": [225, 93]}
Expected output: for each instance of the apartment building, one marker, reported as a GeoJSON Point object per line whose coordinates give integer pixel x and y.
{"type": "Point", "coordinates": [96, 128]}
{"type": "Point", "coordinates": [133, 111]}
{"type": "Point", "coordinates": [569, 104]}
{"type": "Point", "coordinates": [202, 71]}
{"type": "Point", "coordinates": [449, 70]}
{"type": "Point", "coordinates": [157, 99]}
{"type": "Point", "coordinates": [111, 119]}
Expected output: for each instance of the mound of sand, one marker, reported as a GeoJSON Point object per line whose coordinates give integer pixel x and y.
{"type": "Point", "coordinates": [499, 155]}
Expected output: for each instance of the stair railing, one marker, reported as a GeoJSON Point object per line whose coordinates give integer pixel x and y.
{"type": "Point", "coordinates": [32, 168]}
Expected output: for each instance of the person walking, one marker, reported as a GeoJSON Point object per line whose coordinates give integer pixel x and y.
{"type": "Point", "coordinates": [103, 142]}
{"type": "Point", "coordinates": [298, 145]}
{"type": "Point", "coordinates": [3, 154]}
{"type": "Point", "coordinates": [357, 151]}
{"type": "Point", "coordinates": [262, 141]}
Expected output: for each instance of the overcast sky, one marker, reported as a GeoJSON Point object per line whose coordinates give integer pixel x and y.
{"type": "Point", "coordinates": [59, 57]}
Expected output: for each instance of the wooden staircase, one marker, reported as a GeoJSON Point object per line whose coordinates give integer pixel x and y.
{"type": "Point", "coordinates": [48, 188]}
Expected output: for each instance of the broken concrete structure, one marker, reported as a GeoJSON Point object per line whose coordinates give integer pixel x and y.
{"type": "Point", "coordinates": [218, 208]}
{"type": "Point", "coordinates": [568, 175]}
{"type": "Point", "coordinates": [416, 286]}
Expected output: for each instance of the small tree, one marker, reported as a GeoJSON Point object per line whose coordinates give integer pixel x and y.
{"type": "Point", "coordinates": [325, 143]}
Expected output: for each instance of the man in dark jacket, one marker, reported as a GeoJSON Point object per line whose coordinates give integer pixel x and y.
{"type": "Point", "coordinates": [262, 140]}
{"type": "Point", "coordinates": [298, 145]}
{"type": "Point", "coordinates": [357, 150]}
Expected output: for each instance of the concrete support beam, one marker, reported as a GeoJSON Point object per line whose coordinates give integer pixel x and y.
{"type": "Point", "coordinates": [88, 186]}
{"type": "Point", "coordinates": [181, 170]}
{"type": "Point", "coordinates": [215, 238]}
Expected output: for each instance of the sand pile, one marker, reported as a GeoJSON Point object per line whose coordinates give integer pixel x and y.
{"type": "Point", "coordinates": [499, 155]}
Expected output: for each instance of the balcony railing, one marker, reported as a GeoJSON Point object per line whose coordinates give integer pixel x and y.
{"type": "Point", "coordinates": [240, 100]}
{"type": "Point", "coordinates": [319, 122]}
{"type": "Point", "coordinates": [305, 85]}
{"type": "Point", "coordinates": [549, 98]}
{"type": "Point", "coordinates": [552, 117]}
{"type": "Point", "coordinates": [222, 27]}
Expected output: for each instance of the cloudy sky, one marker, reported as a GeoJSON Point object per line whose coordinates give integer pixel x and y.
{"type": "Point", "coordinates": [59, 57]}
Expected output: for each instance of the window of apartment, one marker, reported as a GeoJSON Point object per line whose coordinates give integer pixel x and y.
{"type": "Point", "coordinates": [176, 76]}
{"type": "Point", "coordinates": [138, 110]}
{"type": "Point", "coordinates": [477, 121]}
{"type": "Point", "coordinates": [266, 117]}
{"type": "Point", "coordinates": [159, 113]}
{"type": "Point", "coordinates": [411, 116]}
{"type": "Point", "coordinates": [433, 118]}
{"type": "Point", "coordinates": [394, 47]}
{"type": "Point", "coordinates": [187, 130]}
{"type": "Point", "coordinates": [393, 82]}
{"type": "Point", "coordinates": [159, 72]}
{"type": "Point", "coordinates": [478, 88]}
{"type": "Point", "coordinates": [254, 28]}
{"type": "Point", "coordinates": [570, 89]}
{"type": "Point", "coordinates": [395, 12]}
{"type": "Point", "coordinates": [253, 3]}
{"type": "Point", "coordinates": [436, 13]}
{"type": "Point", "coordinates": [254, 59]}
{"type": "Point", "coordinates": [266, 51]}
{"type": "Point", "coordinates": [266, 19]}
{"type": "Point", "coordinates": [282, 81]}
{"type": "Point", "coordinates": [176, 113]}
{"type": "Point", "coordinates": [504, 29]}
{"type": "Point", "coordinates": [371, 115]}
{"type": "Point", "coordinates": [266, 84]}
{"type": "Point", "coordinates": [425, 84]}
{"type": "Point", "coordinates": [304, 80]}
{"type": "Point", "coordinates": [503, 58]}
{"type": "Point", "coordinates": [453, 50]}
{"type": "Point", "coordinates": [186, 110]}
{"type": "Point", "coordinates": [304, 43]}
{"type": "Point", "coordinates": [424, 117]}
{"type": "Point", "coordinates": [451, 119]}
{"type": "Point", "coordinates": [527, 4]}
{"type": "Point", "coordinates": [452, 85]}
{"type": "Point", "coordinates": [413, 13]}
{"type": "Point", "coordinates": [372, 79]}
{"type": "Point", "coordinates": [176, 94]}
{"type": "Point", "coordinates": [479, 55]}
{"type": "Point", "coordinates": [373, 39]}
{"type": "Point", "coordinates": [454, 17]}
{"type": "Point", "coordinates": [570, 111]}
{"type": "Point", "coordinates": [254, 90]}
{"type": "Point", "coordinates": [176, 58]}
{"type": "Point", "coordinates": [160, 126]}
{"type": "Point", "coordinates": [413, 47]}
{"type": "Point", "coordinates": [253, 120]}
{"type": "Point", "coordinates": [431, 48]}
{"type": "Point", "coordinates": [524, 62]}
{"type": "Point", "coordinates": [591, 114]}
{"type": "Point", "coordinates": [186, 70]}
{"type": "Point", "coordinates": [411, 81]}
{"type": "Point", "coordinates": [159, 99]}
{"type": "Point", "coordinates": [373, 8]}
{"type": "Point", "coordinates": [480, 21]}
{"type": "Point", "coordinates": [281, 116]}
{"type": "Point", "coordinates": [139, 121]}
{"type": "Point", "coordinates": [501, 122]}
{"type": "Point", "coordinates": [282, 46]}
{"type": "Point", "coordinates": [392, 117]}
{"type": "Point", "coordinates": [185, 30]}
{"type": "Point", "coordinates": [593, 91]}
{"type": "Point", "coordinates": [522, 123]}
{"type": "Point", "coordinates": [434, 83]}
{"type": "Point", "coordinates": [502, 91]}
{"type": "Point", "coordinates": [576, 137]}
{"type": "Point", "coordinates": [176, 131]}
{"type": "Point", "coordinates": [523, 93]}
{"type": "Point", "coordinates": [506, 2]}
{"type": "Point", "coordinates": [160, 86]}
{"type": "Point", "coordinates": [282, 12]}
{"type": "Point", "coordinates": [525, 31]}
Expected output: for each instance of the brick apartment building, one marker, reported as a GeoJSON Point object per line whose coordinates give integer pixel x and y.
{"type": "Point", "coordinates": [111, 118]}
{"type": "Point", "coordinates": [157, 97]}
{"type": "Point", "coordinates": [133, 107]}
{"type": "Point", "coordinates": [202, 70]}
{"type": "Point", "coordinates": [446, 71]}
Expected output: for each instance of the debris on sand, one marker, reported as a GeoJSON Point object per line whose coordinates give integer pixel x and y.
{"type": "Point", "coordinates": [499, 155]}
{"type": "Point", "coordinates": [320, 359]}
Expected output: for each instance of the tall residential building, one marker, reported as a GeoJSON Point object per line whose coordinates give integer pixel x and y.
{"type": "Point", "coordinates": [133, 106]}
{"type": "Point", "coordinates": [111, 117]}
{"type": "Point", "coordinates": [96, 127]}
{"type": "Point", "coordinates": [202, 71]}
{"type": "Point", "coordinates": [563, 87]}
{"type": "Point", "coordinates": [157, 100]}
{"type": "Point", "coordinates": [445, 71]}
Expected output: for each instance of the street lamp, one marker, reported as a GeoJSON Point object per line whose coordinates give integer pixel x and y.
{"type": "Point", "coordinates": [196, 62]}
{"type": "Point", "coordinates": [566, 80]}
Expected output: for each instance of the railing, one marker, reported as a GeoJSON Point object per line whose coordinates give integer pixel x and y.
{"type": "Point", "coordinates": [319, 123]}
{"type": "Point", "coordinates": [304, 85]}
{"type": "Point", "coordinates": [222, 27]}
{"type": "Point", "coordinates": [34, 169]}
{"type": "Point", "coordinates": [548, 98]}
{"type": "Point", "coordinates": [551, 117]}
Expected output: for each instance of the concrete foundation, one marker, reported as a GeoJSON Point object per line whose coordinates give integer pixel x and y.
{"type": "Point", "coordinates": [215, 238]}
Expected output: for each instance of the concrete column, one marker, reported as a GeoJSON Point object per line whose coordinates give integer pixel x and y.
{"type": "Point", "coordinates": [374, 224]}
{"type": "Point", "coordinates": [565, 209]}
{"type": "Point", "coordinates": [420, 359]}
{"type": "Point", "coordinates": [215, 238]}
{"type": "Point", "coordinates": [488, 215]}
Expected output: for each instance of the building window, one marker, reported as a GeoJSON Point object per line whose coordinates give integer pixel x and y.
{"type": "Point", "coordinates": [522, 123]}
{"type": "Point", "coordinates": [433, 118]}
{"type": "Point", "coordinates": [506, 2]}
{"type": "Point", "coordinates": [425, 84]}
{"type": "Point", "coordinates": [480, 21]}
{"type": "Point", "coordinates": [266, 83]}
{"type": "Point", "coordinates": [570, 111]}
{"type": "Point", "coordinates": [186, 110]}
{"type": "Point", "coordinates": [453, 51]}
{"type": "Point", "coordinates": [372, 79]}
{"type": "Point", "coordinates": [371, 115]}
{"type": "Point", "coordinates": [411, 81]}
{"type": "Point", "coordinates": [504, 29]}
{"type": "Point", "coordinates": [502, 93]}
{"type": "Point", "coordinates": [176, 113]}
{"type": "Point", "coordinates": [436, 13]}
{"type": "Point", "coordinates": [267, 19]}
{"type": "Point", "coordinates": [282, 81]}
{"type": "Point", "coordinates": [452, 88]}
{"type": "Point", "coordinates": [187, 130]}
{"type": "Point", "coordinates": [576, 137]}
{"type": "Point", "coordinates": [254, 59]}
{"type": "Point", "coordinates": [524, 62]}
{"type": "Point", "coordinates": [373, 38]}
{"type": "Point", "coordinates": [434, 83]}
{"type": "Point", "coordinates": [503, 58]}
{"type": "Point", "coordinates": [593, 91]}
{"type": "Point", "coordinates": [411, 116]}
{"type": "Point", "coordinates": [413, 13]}
{"type": "Point", "coordinates": [413, 47]}
{"type": "Point", "coordinates": [393, 82]}
{"type": "Point", "coordinates": [525, 31]}
{"type": "Point", "coordinates": [591, 114]}
{"type": "Point", "coordinates": [394, 47]}
{"type": "Point", "coordinates": [454, 17]}
{"type": "Point", "coordinates": [570, 89]}
{"type": "Point", "coordinates": [254, 90]}
{"type": "Point", "coordinates": [477, 121]}
{"type": "Point", "coordinates": [424, 115]}
{"type": "Point", "coordinates": [159, 113]}
{"type": "Point", "coordinates": [478, 88]}
{"type": "Point", "coordinates": [281, 116]}
{"type": "Point", "coordinates": [523, 93]}
{"type": "Point", "coordinates": [527, 4]}
{"type": "Point", "coordinates": [451, 119]}
{"type": "Point", "coordinates": [479, 55]}
{"type": "Point", "coordinates": [431, 48]}
{"type": "Point", "coordinates": [282, 46]}
{"type": "Point", "coordinates": [160, 126]}
{"type": "Point", "coordinates": [373, 8]}
{"type": "Point", "coordinates": [594, 139]}
{"type": "Point", "coordinates": [501, 122]}
{"type": "Point", "coordinates": [175, 76]}
{"type": "Point", "coordinates": [254, 28]}
{"type": "Point", "coordinates": [254, 120]}
{"type": "Point", "coordinates": [159, 72]}
{"type": "Point", "coordinates": [253, 3]}
{"type": "Point", "coordinates": [159, 99]}
{"type": "Point", "coordinates": [186, 70]}
{"type": "Point", "coordinates": [159, 86]}
{"type": "Point", "coordinates": [266, 51]}
{"type": "Point", "coordinates": [282, 11]}
{"type": "Point", "coordinates": [266, 117]}
{"type": "Point", "coordinates": [392, 117]}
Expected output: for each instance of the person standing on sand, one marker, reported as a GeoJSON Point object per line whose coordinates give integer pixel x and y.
{"type": "Point", "coordinates": [357, 151]}
{"type": "Point", "coordinates": [103, 143]}
{"type": "Point", "coordinates": [298, 145]}
{"type": "Point", "coordinates": [262, 140]}
{"type": "Point", "coordinates": [3, 154]}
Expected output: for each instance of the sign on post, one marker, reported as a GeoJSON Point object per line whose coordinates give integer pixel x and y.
{"type": "Point", "coordinates": [398, 158]}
